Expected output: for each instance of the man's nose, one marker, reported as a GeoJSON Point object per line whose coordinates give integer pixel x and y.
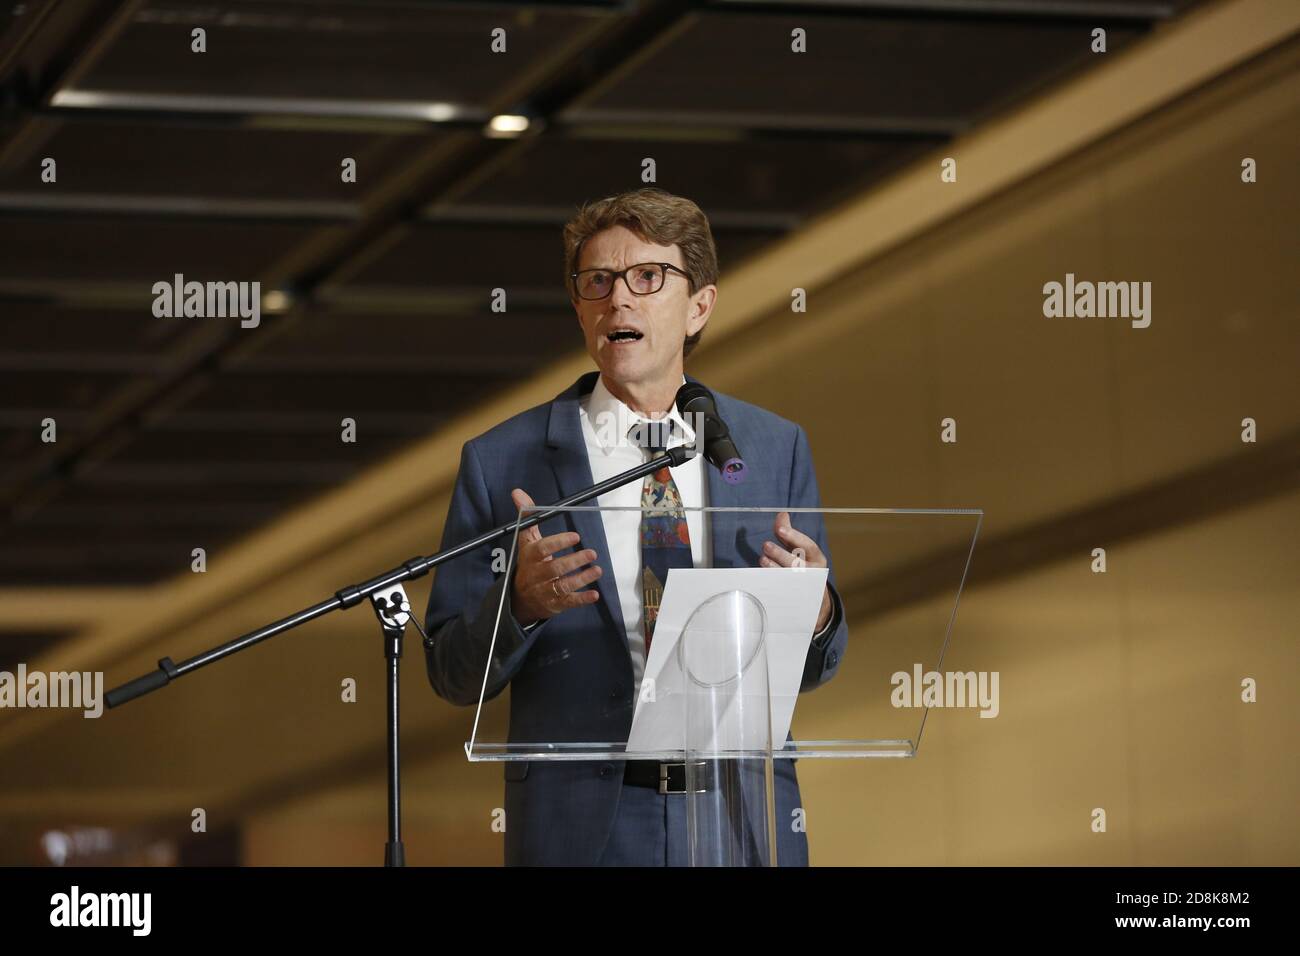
{"type": "Point", "coordinates": [622, 292]}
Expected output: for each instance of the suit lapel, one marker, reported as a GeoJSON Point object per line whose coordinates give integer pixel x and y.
{"type": "Point", "coordinates": [573, 474]}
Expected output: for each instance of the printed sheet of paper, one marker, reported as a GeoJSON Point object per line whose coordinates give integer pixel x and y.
{"type": "Point", "coordinates": [789, 599]}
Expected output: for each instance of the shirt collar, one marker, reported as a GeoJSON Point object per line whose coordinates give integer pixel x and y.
{"type": "Point", "coordinates": [611, 419]}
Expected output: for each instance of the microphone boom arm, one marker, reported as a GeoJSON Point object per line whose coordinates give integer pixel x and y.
{"type": "Point", "coordinates": [353, 595]}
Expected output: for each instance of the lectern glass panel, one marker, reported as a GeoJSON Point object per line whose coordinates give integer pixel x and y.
{"type": "Point", "coordinates": [734, 671]}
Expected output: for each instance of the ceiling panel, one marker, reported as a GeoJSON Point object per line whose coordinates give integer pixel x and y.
{"type": "Point", "coordinates": [743, 177]}
{"type": "Point", "coordinates": [857, 66]}
{"type": "Point", "coordinates": [139, 249]}
{"type": "Point", "coordinates": [412, 52]}
{"type": "Point", "coordinates": [129, 158]}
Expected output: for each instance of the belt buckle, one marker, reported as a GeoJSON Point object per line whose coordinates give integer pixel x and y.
{"type": "Point", "coordinates": [663, 777]}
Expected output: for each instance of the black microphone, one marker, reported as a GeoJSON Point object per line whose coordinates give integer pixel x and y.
{"type": "Point", "coordinates": [694, 400]}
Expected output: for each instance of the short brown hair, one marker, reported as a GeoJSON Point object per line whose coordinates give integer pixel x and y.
{"type": "Point", "coordinates": [656, 216]}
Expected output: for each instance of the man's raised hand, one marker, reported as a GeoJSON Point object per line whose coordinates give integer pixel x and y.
{"type": "Point", "coordinates": [546, 584]}
{"type": "Point", "coordinates": [799, 550]}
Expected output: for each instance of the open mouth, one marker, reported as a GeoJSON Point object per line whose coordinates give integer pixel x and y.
{"type": "Point", "coordinates": [622, 336]}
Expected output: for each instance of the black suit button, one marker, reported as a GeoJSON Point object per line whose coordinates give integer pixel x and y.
{"type": "Point", "coordinates": [832, 659]}
{"type": "Point", "coordinates": [606, 769]}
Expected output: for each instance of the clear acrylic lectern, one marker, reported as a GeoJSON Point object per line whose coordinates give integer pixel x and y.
{"type": "Point", "coordinates": [727, 671]}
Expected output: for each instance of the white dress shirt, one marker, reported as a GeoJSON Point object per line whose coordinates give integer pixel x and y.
{"type": "Point", "coordinates": [606, 422]}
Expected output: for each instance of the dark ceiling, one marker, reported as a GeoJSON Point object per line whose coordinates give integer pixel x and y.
{"type": "Point", "coordinates": [175, 433]}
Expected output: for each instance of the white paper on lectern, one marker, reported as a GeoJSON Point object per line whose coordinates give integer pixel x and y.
{"type": "Point", "coordinates": [791, 599]}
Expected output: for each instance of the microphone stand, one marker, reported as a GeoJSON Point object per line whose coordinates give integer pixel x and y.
{"type": "Point", "coordinates": [393, 608]}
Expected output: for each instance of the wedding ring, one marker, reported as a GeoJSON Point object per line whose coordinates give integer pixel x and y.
{"type": "Point", "coordinates": [555, 587]}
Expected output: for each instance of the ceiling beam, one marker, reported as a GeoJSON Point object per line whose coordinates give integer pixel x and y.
{"type": "Point", "coordinates": [248, 109]}
{"type": "Point", "coordinates": [1098, 13]}
{"type": "Point", "coordinates": [177, 207]}
{"type": "Point", "coordinates": [56, 53]}
{"type": "Point", "coordinates": [410, 117]}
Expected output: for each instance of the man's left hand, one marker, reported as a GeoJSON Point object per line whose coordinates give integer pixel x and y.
{"type": "Point", "coordinates": [795, 548]}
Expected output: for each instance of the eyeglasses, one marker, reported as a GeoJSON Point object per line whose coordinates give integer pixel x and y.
{"type": "Point", "coordinates": [644, 278]}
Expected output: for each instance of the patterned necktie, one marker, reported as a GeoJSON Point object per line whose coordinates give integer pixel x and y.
{"type": "Point", "coordinates": [665, 541]}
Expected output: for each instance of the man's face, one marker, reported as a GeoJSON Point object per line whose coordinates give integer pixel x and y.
{"type": "Point", "coordinates": [664, 319]}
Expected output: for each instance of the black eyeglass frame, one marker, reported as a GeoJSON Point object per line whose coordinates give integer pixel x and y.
{"type": "Point", "coordinates": [615, 276]}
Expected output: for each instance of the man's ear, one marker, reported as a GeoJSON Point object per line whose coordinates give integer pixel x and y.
{"type": "Point", "coordinates": [703, 302]}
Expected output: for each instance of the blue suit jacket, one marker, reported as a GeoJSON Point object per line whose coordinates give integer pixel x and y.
{"type": "Point", "coordinates": [571, 677]}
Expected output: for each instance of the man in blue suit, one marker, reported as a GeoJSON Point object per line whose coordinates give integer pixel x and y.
{"type": "Point", "coordinates": [578, 609]}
